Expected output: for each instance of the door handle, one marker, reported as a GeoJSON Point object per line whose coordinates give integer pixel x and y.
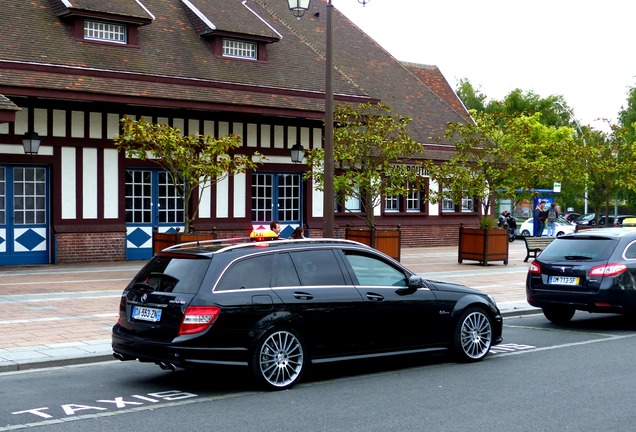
{"type": "Point", "coordinates": [375, 297]}
{"type": "Point", "coordinates": [303, 296]}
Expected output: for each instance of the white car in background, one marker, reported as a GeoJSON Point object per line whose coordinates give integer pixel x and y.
{"type": "Point", "coordinates": [562, 227]}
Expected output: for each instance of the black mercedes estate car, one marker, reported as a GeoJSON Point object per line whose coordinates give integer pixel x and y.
{"type": "Point", "coordinates": [593, 270]}
{"type": "Point", "coordinates": [279, 306]}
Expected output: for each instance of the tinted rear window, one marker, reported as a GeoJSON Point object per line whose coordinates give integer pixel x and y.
{"type": "Point", "coordinates": [170, 274]}
{"type": "Point", "coordinates": [580, 249]}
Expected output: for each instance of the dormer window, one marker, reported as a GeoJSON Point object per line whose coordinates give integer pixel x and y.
{"type": "Point", "coordinates": [105, 31]}
{"type": "Point", "coordinates": [240, 49]}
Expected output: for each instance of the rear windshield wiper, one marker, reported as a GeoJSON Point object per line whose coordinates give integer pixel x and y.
{"type": "Point", "coordinates": [577, 257]}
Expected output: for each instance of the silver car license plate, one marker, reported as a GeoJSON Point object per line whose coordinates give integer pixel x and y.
{"type": "Point", "coordinates": [563, 280]}
{"type": "Point", "coordinates": [146, 314]}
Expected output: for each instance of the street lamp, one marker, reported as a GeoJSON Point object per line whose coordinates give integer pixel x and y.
{"type": "Point", "coordinates": [578, 127]}
{"type": "Point", "coordinates": [31, 143]}
{"type": "Point", "coordinates": [297, 153]}
{"type": "Point", "coordinates": [298, 8]}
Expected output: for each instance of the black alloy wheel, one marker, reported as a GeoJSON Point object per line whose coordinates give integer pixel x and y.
{"type": "Point", "coordinates": [278, 360]}
{"type": "Point", "coordinates": [473, 335]}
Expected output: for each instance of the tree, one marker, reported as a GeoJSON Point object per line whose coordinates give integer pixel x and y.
{"type": "Point", "coordinates": [194, 162]}
{"type": "Point", "coordinates": [609, 166]}
{"type": "Point", "coordinates": [373, 156]}
{"type": "Point", "coordinates": [499, 155]}
{"type": "Point", "coordinates": [473, 99]}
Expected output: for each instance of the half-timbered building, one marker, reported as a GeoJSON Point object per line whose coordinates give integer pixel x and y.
{"type": "Point", "coordinates": [70, 69]}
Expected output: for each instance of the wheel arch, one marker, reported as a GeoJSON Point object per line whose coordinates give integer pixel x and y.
{"type": "Point", "coordinates": [279, 319]}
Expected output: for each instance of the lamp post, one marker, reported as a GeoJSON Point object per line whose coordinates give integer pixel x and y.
{"type": "Point", "coordinates": [298, 8]}
{"type": "Point", "coordinates": [578, 127]}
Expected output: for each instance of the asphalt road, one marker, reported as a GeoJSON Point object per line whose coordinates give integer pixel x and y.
{"type": "Point", "coordinates": [544, 377]}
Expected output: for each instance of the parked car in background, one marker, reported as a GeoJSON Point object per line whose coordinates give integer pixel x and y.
{"type": "Point", "coordinates": [594, 271]}
{"type": "Point", "coordinates": [279, 306]}
{"type": "Point", "coordinates": [614, 220]}
{"type": "Point", "coordinates": [590, 219]}
{"type": "Point", "coordinates": [571, 217]}
{"type": "Point", "coordinates": [586, 219]}
{"type": "Point", "coordinates": [562, 227]}
{"type": "Point", "coordinates": [629, 222]}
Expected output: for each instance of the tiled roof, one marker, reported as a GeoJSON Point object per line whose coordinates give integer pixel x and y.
{"type": "Point", "coordinates": [7, 105]}
{"type": "Point", "coordinates": [173, 65]}
{"type": "Point", "coordinates": [121, 8]}
{"type": "Point", "coordinates": [229, 17]}
{"type": "Point", "coordinates": [433, 78]}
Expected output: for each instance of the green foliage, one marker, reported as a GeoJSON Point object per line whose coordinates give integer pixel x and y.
{"type": "Point", "coordinates": [372, 156]}
{"type": "Point", "coordinates": [627, 116]}
{"type": "Point", "coordinates": [500, 154]}
{"type": "Point", "coordinates": [487, 222]}
{"type": "Point", "coordinates": [194, 161]}
{"type": "Point", "coordinates": [472, 98]}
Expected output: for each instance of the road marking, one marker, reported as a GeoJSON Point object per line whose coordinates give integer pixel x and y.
{"type": "Point", "coordinates": [567, 345]}
{"type": "Point", "coordinates": [43, 412]}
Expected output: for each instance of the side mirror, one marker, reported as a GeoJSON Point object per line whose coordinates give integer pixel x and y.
{"type": "Point", "coordinates": [416, 282]}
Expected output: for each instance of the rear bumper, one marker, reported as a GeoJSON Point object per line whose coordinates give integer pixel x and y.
{"type": "Point", "coordinates": [131, 347]}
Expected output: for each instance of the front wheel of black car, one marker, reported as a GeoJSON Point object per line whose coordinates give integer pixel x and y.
{"type": "Point", "coordinates": [278, 360]}
{"type": "Point", "coordinates": [473, 335]}
{"type": "Point", "coordinates": [558, 315]}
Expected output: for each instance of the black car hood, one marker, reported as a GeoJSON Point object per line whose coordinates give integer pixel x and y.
{"type": "Point", "coordinates": [452, 286]}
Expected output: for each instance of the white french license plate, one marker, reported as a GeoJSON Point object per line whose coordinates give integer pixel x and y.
{"type": "Point", "coordinates": [564, 280]}
{"type": "Point", "coordinates": [146, 313]}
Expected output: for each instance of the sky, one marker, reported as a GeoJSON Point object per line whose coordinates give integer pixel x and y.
{"type": "Point", "coordinates": [579, 49]}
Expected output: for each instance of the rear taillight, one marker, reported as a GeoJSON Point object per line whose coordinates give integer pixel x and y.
{"type": "Point", "coordinates": [534, 268]}
{"type": "Point", "coordinates": [608, 270]}
{"type": "Point", "coordinates": [198, 319]}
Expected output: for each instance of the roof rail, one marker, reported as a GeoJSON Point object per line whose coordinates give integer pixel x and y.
{"type": "Point", "coordinates": [244, 242]}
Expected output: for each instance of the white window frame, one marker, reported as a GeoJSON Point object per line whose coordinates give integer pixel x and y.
{"type": "Point", "coordinates": [105, 31]}
{"type": "Point", "coordinates": [412, 199]}
{"type": "Point", "coordinates": [353, 204]}
{"type": "Point", "coordinates": [468, 204]}
{"type": "Point", "coordinates": [240, 49]}
{"type": "Point", "coordinates": [391, 203]}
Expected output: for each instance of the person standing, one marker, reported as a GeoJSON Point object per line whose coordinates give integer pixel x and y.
{"type": "Point", "coordinates": [540, 216]}
{"type": "Point", "coordinates": [553, 214]}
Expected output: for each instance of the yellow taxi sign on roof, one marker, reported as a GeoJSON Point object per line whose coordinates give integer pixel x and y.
{"type": "Point", "coordinates": [259, 235]}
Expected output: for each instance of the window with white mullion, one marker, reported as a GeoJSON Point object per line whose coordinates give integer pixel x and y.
{"type": "Point", "coordinates": [239, 49]}
{"type": "Point", "coordinates": [391, 203]}
{"type": "Point", "coordinates": [412, 199]}
{"type": "Point", "coordinates": [104, 31]}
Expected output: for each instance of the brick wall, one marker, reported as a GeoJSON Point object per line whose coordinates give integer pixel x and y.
{"type": "Point", "coordinates": [90, 247]}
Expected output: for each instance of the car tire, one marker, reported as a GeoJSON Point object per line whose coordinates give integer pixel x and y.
{"type": "Point", "coordinates": [278, 359]}
{"type": "Point", "coordinates": [525, 233]}
{"type": "Point", "coordinates": [560, 233]}
{"type": "Point", "coordinates": [558, 315]}
{"type": "Point", "coordinates": [473, 335]}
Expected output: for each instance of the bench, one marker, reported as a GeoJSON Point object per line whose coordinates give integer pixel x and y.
{"type": "Point", "coordinates": [535, 245]}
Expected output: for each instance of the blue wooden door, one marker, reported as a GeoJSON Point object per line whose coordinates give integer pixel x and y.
{"type": "Point", "coordinates": [151, 201]}
{"type": "Point", "coordinates": [24, 215]}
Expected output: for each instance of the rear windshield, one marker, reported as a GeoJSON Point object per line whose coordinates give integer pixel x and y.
{"type": "Point", "coordinates": [579, 249]}
{"type": "Point", "coordinates": [171, 274]}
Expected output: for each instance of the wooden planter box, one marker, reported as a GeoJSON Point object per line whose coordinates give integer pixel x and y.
{"type": "Point", "coordinates": [483, 245]}
{"type": "Point", "coordinates": [388, 241]}
{"type": "Point", "coordinates": [161, 241]}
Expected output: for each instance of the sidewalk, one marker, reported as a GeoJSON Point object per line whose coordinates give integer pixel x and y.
{"type": "Point", "coordinates": [57, 315]}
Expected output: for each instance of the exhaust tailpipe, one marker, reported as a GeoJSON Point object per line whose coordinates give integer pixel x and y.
{"type": "Point", "coordinates": [122, 357]}
{"type": "Point", "coordinates": [167, 366]}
